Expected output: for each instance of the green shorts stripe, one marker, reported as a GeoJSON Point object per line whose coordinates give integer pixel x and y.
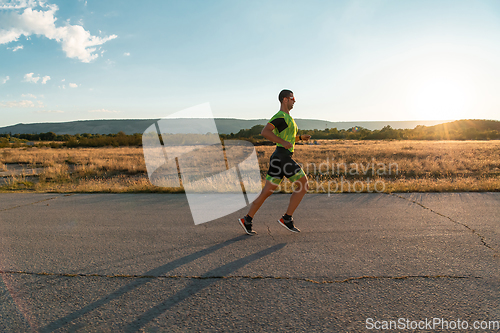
{"type": "Point", "coordinates": [274, 180]}
{"type": "Point", "coordinates": [297, 176]}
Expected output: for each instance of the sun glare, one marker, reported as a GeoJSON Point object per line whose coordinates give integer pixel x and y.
{"type": "Point", "coordinates": [440, 92]}
{"type": "Point", "coordinates": [440, 99]}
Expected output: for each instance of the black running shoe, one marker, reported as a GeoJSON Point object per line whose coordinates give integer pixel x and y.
{"type": "Point", "coordinates": [288, 224]}
{"type": "Point", "coordinates": [247, 226]}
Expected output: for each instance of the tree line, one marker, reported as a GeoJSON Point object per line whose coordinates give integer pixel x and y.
{"type": "Point", "coordinates": [457, 130]}
{"type": "Point", "coordinates": [50, 139]}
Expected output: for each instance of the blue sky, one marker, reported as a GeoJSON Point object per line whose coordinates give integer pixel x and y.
{"type": "Point", "coordinates": [344, 60]}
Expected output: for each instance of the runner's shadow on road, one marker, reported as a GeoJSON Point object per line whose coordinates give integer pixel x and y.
{"type": "Point", "coordinates": [197, 285]}
{"type": "Point", "coordinates": [162, 270]}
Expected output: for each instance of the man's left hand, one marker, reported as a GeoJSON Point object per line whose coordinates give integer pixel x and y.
{"type": "Point", "coordinates": [305, 137]}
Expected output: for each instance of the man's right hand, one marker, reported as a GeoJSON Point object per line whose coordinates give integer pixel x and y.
{"type": "Point", "coordinates": [287, 145]}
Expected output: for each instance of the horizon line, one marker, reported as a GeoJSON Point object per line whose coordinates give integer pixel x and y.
{"type": "Point", "coordinates": [340, 121]}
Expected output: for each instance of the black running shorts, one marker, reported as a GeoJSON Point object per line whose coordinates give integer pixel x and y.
{"type": "Point", "coordinates": [282, 165]}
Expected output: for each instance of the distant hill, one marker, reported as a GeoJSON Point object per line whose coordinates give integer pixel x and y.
{"type": "Point", "coordinates": [224, 125]}
{"type": "Point", "coordinates": [469, 124]}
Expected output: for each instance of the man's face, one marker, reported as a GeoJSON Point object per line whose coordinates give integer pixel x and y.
{"type": "Point", "coordinates": [290, 102]}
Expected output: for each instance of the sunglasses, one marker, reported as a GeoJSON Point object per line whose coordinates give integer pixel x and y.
{"type": "Point", "coordinates": [291, 98]}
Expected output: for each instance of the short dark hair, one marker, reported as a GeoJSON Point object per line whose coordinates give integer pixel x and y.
{"type": "Point", "coordinates": [285, 93]}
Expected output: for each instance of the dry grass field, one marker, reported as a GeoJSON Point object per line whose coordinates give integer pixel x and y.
{"type": "Point", "coordinates": [331, 166]}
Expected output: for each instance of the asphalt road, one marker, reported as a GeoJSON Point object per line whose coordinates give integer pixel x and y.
{"type": "Point", "coordinates": [137, 262]}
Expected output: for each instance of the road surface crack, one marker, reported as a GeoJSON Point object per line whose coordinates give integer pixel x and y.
{"type": "Point", "coordinates": [481, 237]}
{"type": "Point", "coordinates": [269, 232]}
{"type": "Point", "coordinates": [242, 277]}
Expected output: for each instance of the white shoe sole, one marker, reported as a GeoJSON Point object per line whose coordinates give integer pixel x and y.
{"type": "Point", "coordinates": [246, 231]}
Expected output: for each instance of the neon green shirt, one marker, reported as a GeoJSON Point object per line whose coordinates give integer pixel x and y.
{"type": "Point", "coordinates": [285, 128]}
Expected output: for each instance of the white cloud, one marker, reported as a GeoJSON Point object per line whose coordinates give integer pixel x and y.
{"type": "Point", "coordinates": [14, 49]}
{"type": "Point", "coordinates": [22, 104]}
{"type": "Point", "coordinates": [5, 79]}
{"type": "Point", "coordinates": [28, 96]}
{"type": "Point", "coordinates": [34, 79]}
{"type": "Point", "coordinates": [17, 4]}
{"type": "Point", "coordinates": [63, 80]}
{"type": "Point", "coordinates": [49, 111]}
{"type": "Point", "coordinates": [73, 85]}
{"type": "Point", "coordinates": [30, 78]}
{"type": "Point", "coordinates": [18, 104]}
{"type": "Point", "coordinates": [126, 54]}
{"type": "Point", "coordinates": [76, 42]}
{"type": "Point", "coordinates": [104, 111]}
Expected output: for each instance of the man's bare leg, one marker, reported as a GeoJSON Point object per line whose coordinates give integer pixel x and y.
{"type": "Point", "coordinates": [297, 195]}
{"type": "Point", "coordinates": [266, 192]}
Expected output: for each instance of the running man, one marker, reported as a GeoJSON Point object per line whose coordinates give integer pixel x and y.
{"type": "Point", "coordinates": [282, 130]}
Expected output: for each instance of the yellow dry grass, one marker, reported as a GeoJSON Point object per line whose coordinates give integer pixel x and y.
{"type": "Point", "coordinates": [331, 166]}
